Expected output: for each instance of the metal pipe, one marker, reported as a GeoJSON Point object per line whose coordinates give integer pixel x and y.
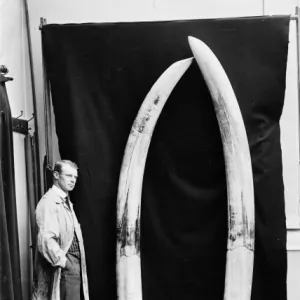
{"type": "Point", "coordinates": [33, 94]}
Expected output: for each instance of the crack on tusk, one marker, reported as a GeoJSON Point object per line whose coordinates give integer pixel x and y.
{"type": "Point", "coordinates": [137, 236]}
{"type": "Point", "coordinates": [122, 226]}
{"type": "Point", "coordinates": [240, 246]}
{"type": "Point", "coordinates": [226, 129]}
{"type": "Point", "coordinates": [141, 122]}
{"type": "Point", "coordinates": [157, 100]}
{"type": "Point", "coordinates": [129, 238]}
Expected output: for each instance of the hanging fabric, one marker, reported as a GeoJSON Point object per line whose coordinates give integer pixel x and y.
{"type": "Point", "coordinates": [99, 76]}
{"type": "Point", "coordinates": [10, 276]}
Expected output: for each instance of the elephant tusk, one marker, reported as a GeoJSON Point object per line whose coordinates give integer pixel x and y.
{"type": "Point", "coordinates": [240, 243]}
{"type": "Point", "coordinates": [129, 282]}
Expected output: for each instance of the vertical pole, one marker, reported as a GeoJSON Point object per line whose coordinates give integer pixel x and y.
{"type": "Point", "coordinates": [297, 12]}
{"type": "Point", "coordinates": [30, 189]}
{"type": "Point", "coordinates": [297, 19]}
{"type": "Point", "coordinates": [33, 96]}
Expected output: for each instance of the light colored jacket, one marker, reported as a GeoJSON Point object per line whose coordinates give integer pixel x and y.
{"type": "Point", "coordinates": [56, 223]}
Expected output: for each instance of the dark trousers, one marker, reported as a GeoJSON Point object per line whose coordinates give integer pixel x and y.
{"type": "Point", "coordinates": [70, 283]}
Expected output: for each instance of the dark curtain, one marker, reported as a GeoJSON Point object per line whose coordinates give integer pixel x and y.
{"type": "Point", "coordinates": [99, 76]}
{"type": "Point", "coordinates": [10, 272]}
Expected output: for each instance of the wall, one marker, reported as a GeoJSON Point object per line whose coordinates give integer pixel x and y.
{"type": "Point", "coordinates": [76, 11]}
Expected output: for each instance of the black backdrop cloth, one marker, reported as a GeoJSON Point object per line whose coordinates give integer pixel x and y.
{"type": "Point", "coordinates": [10, 269]}
{"type": "Point", "coordinates": [100, 75]}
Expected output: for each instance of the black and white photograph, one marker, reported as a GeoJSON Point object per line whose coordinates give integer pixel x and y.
{"type": "Point", "coordinates": [149, 150]}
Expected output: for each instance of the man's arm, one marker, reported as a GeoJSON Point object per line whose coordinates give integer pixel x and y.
{"type": "Point", "coordinates": [48, 233]}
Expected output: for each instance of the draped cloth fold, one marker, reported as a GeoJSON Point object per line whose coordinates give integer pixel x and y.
{"type": "Point", "coordinates": [10, 270]}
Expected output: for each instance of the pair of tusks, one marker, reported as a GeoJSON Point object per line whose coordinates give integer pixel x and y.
{"type": "Point", "coordinates": [240, 244]}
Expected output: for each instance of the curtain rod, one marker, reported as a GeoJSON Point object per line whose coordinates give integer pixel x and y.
{"type": "Point", "coordinates": [43, 21]}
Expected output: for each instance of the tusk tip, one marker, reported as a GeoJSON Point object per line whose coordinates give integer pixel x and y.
{"type": "Point", "coordinates": [188, 60]}
{"type": "Point", "coordinates": [192, 40]}
{"type": "Point", "coordinates": [185, 62]}
{"type": "Point", "coordinates": [195, 43]}
{"type": "Point", "coordinates": [199, 48]}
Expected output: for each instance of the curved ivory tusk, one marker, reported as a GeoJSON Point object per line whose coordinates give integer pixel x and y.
{"type": "Point", "coordinates": [240, 244]}
{"type": "Point", "coordinates": [129, 282]}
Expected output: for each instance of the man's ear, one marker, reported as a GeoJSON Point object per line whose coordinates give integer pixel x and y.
{"type": "Point", "coordinates": [55, 174]}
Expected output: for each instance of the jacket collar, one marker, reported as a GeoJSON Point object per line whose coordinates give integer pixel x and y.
{"type": "Point", "coordinates": [59, 192]}
{"type": "Point", "coordinates": [59, 195]}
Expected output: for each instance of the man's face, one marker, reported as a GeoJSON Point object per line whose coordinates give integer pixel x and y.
{"type": "Point", "coordinates": [66, 179]}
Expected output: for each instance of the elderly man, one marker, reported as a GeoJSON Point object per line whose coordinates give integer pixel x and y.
{"type": "Point", "coordinates": [60, 267]}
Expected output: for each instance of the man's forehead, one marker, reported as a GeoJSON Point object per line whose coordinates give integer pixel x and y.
{"type": "Point", "coordinates": [68, 169]}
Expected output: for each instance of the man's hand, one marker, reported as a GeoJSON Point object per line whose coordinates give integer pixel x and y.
{"type": "Point", "coordinates": [68, 264]}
